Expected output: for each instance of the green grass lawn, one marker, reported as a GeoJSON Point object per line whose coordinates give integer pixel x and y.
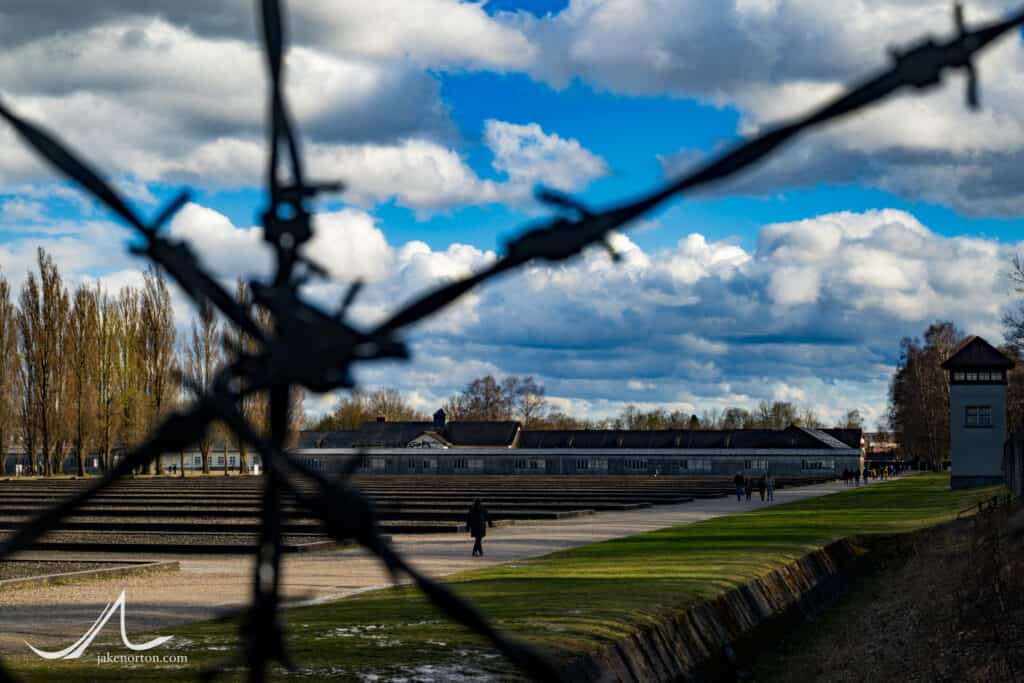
{"type": "Point", "coordinates": [569, 601]}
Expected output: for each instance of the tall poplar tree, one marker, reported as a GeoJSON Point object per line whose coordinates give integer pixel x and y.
{"type": "Point", "coordinates": [107, 357]}
{"type": "Point", "coordinates": [9, 364]}
{"type": "Point", "coordinates": [156, 351]}
{"type": "Point", "coordinates": [42, 319]}
{"type": "Point", "coordinates": [128, 373]}
{"type": "Point", "coordinates": [82, 339]}
{"type": "Point", "coordinates": [203, 359]}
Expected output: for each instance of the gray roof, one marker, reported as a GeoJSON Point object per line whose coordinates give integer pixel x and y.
{"type": "Point", "coordinates": [309, 439]}
{"type": "Point", "coordinates": [697, 439]}
{"type": "Point", "coordinates": [832, 441]}
{"type": "Point", "coordinates": [399, 434]}
{"type": "Point", "coordinates": [850, 437]}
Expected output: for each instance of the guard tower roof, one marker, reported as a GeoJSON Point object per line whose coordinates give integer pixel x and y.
{"type": "Point", "coordinates": [975, 352]}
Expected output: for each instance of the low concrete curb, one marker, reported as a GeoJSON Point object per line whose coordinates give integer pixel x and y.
{"type": "Point", "coordinates": [120, 569]}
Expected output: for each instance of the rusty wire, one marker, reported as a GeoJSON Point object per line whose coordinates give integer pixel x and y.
{"type": "Point", "coordinates": [315, 349]}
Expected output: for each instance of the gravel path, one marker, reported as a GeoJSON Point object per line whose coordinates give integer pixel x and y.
{"type": "Point", "coordinates": [206, 586]}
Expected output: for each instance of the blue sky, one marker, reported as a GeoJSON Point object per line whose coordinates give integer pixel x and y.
{"type": "Point", "coordinates": [794, 282]}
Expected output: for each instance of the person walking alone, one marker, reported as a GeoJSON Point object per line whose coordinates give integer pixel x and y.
{"type": "Point", "coordinates": [738, 481]}
{"type": "Point", "coordinates": [478, 520]}
{"type": "Point", "coordinates": [770, 486]}
{"type": "Point", "coordinates": [761, 486]}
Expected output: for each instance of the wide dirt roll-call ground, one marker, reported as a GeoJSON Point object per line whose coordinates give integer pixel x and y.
{"type": "Point", "coordinates": [571, 600]}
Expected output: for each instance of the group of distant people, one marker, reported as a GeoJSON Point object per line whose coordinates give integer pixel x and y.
{"type": "Point", "coordinates": [855, 477]}
{"type": "Point", "coordinates": [477, 519]}
{"type": "Point", "coordinates": [765, 485]}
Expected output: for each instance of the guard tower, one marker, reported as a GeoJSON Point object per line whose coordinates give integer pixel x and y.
{"type": "Point", "coordinates": [977, 412]}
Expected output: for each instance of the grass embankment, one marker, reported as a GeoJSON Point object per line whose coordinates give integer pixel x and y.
{"type": "Point", "coordinates": [570, 601]}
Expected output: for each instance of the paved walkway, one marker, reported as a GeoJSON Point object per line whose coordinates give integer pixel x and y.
{"type": "Point", "coordinates": [207, 585]}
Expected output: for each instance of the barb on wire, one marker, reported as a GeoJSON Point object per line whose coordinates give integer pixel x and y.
{"type": "Point", "coordinates": [311, 348]}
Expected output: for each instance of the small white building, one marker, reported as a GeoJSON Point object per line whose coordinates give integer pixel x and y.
{"type": "Point", "coordinates": [977, 413]}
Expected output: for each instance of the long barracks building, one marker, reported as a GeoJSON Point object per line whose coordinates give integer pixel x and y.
{"type": "Point", "coordinates": [442, 447]}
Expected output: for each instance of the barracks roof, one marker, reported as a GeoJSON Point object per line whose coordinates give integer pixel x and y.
{"type": "Point", "coordinates": [503, 435]}
{"type": "Point", "coordinates": [399, 434]}
{"type": "Point", "coordinates": [791, 437]}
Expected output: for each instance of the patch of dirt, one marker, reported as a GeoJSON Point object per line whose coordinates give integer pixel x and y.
{"type": "Point", "coordinates": [19, 569]}
{"type": "Point", "coordinates": [949, 606]}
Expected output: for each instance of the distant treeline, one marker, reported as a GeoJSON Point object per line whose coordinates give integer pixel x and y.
{"type": "Point", "coordinates": [523, 399]}
{"type": "Point", "coordinates": [87, 372]}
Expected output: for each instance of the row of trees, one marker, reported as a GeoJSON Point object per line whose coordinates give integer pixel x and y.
{"type": "Point", "coordinates": [523, 399]}
{"type": "Point", "coordinates": [85, 372]}
{"type": "Point", "coordinates": [82, 371]}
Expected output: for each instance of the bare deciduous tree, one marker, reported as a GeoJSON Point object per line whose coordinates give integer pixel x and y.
{"type": "Point", "coordinates": [483, 399]}
{"type": "Point", "coordinates": [528, 402]}
{"type": "Point", "coordinates": [853, 420]}
{"type": "Point", "coordinates": [389, 404]}
{"type": "Point", "coordinates": [919, 395]}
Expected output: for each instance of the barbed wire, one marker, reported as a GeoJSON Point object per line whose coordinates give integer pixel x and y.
{"type": "Point", "coordinates": [315, 349]}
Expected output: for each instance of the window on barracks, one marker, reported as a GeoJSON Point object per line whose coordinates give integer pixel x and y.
{"type": "Point", "coordinates": [520, 464]}
{"type": "Point", "coordinates": [461, 464]}
{"type": "Point", "coordinates": [582, 464]}
{"type": "Point", "coordinates": [978, 416]}
{"type": "Point", "coordinates": [818, 464]}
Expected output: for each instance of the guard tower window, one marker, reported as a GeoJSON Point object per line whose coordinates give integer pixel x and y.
{"type": "Point", "coordinates": [978, 416]}
{"type": "Point", "coordinates": [978, 376]}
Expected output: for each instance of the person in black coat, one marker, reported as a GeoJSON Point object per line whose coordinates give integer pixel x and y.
{"type": "Point", "coordinates": [478, 520]}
